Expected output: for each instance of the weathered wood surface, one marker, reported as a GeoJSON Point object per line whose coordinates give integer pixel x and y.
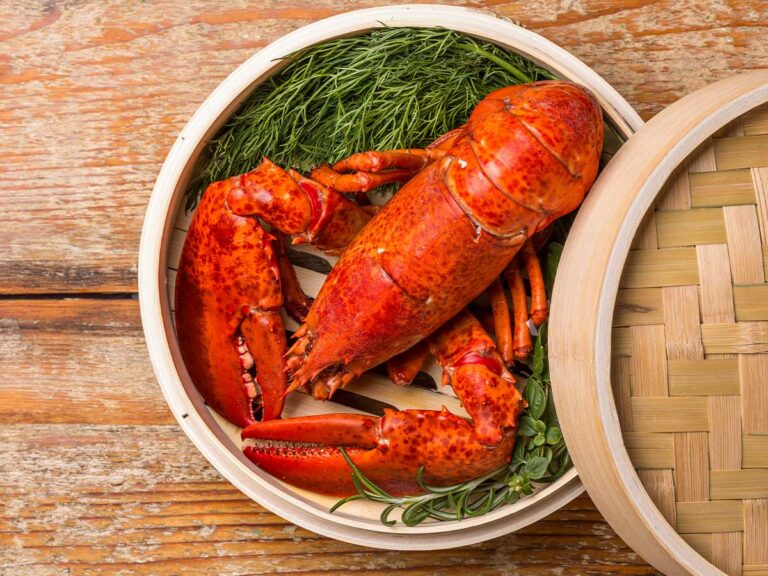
{"type": "Point", "coordinates": [95, 477]}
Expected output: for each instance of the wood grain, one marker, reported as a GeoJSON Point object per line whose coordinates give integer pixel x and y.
{"type": "Point", "coordinates": [95, 476]}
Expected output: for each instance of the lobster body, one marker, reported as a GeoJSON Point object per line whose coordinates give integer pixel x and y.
{"type": "Point", "coordinates": [527, 156]}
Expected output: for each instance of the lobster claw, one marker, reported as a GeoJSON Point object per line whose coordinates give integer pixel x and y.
{"type": "Point", "coordinates": [389, 450]}
{"type": "Point", "coordinates": [229, 289]}
{"type": "Point", "coordinates": [228, 323]}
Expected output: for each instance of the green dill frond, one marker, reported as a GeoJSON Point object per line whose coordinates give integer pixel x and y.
{"type": "Point", "coordinates": [389, 88]}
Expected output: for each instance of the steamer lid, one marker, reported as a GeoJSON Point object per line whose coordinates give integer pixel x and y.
{"type": "Point", "coordinates": [582, 333]}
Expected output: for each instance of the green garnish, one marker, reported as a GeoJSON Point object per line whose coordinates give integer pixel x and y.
{"type": "Point", "coordinates": [389, 88]}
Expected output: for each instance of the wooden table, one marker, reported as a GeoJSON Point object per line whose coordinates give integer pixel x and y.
{"type": "Point", "coordinates": [95, 475]}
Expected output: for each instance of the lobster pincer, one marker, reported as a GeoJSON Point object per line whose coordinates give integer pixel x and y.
{"type": "Point", "coordinates": [390, 449]}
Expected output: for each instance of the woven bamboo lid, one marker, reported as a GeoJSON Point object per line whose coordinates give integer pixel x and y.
{"type": "Point", "coordinates": [659, 335]}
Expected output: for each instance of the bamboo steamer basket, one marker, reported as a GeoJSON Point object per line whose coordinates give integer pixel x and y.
{"type": "Point", "coordinates": [164, 230]}
{"type": "Point", "coordinates": [659, 338]}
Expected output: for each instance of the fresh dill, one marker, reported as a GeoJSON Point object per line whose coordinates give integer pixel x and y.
{"type": "Point", "coordinates": [389, 88]}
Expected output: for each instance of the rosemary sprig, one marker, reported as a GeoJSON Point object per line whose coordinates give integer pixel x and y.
{"type": "Point", "coordinates": [540, 455]}
{"type": "Point", "coordinates": [390, 88]}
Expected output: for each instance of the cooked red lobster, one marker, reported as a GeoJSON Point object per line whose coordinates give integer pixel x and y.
{"type": "Point", "coordinates": [527, 156]}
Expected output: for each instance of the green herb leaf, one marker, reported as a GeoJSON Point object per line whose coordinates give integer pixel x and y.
{"type": "Point", "coordinates": [527, 426]}
{"type": "Point", "coordinates": [536, 467]}
{"type": "Point", "coordinates": [554, 435]}
{"type": "Point", "coordinates": [536, 398]}
{"type": "Point", "coordinates": [554, 252]}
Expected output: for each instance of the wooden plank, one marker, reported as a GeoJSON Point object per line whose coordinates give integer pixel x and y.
{"type": "Point", "coordinates": [645, 237]}
{"type": "Point", "coordinates": [638, 306]}
{"type": "Point", "coordinates": [756, 532]}
{"type": "Point", "coordinates": [760, 182]}
{"type": "Point", "coordinates": [86, 362]}
{"type": "Point", "coordinates": [621, 342]}
{"type": "Point", "coordinates": [755, 570]}
{"type": "Point", "coordinates": [739, 484]}
{"type": "Point", "coordinates": [690, 227]}
{"type": "Point", "coordinates": [704, 377]}
{"type": "Point", "coordinates": [621, 384]}
{"type": "Point", "coordinates": [703, 158]}
{"type": "Point", "coordinates": [676, 194]}
{"type": "Point", "coordinates": [744, 246]}
{"type": "Point", "coordinates": [116, 498]}
{"type": "Point", "coordinates": [756, 121]}
{"type": "Point", "coordinates": [111, 176]}
{"type": "Point", "coordinates": [702, 543]}
{"type": "Point", "coordinates": [77, 132]}
{"type": "Point", "coordinates": [709, 517]}
{"type": "Point", "coordinates": [725, 188]}
{"type": "Point", "coordinates": [654, 268]}
{"type": "Point", "coordinates": [751, 302]}
{"type": "Point", "coordinates": [681, 323]}
{"type": "Point", "coordinates": [727, 552]}
{"type": "Point", "coordinates": [650, 450]}
{"type": "Point", "coordinates": [673, 414]}
{"type": "Point", "coordinates": [755, 451]}
{"type": "Point", "coordinates": [660, 486]}
{"type": "Point", "coordinates": [741, 338]}
{"type": "Point", "coordinates": [741, 152]}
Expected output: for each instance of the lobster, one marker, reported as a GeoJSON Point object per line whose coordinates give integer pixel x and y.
{"type": "Point", "coordinates": [470, 202]}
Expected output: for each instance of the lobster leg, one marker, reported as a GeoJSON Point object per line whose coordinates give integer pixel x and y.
{"type": "Point", "coordinates": [539, 306]}
{"type": "Point", "coordinates": [365, 171]}
{"type": "Point", "coordinates": [358, 182]}
{"type": "Point", "coordinates": [501, 320]}
{"type": "Point", "coordinates": [402, 369]}
{"type": "Point", "coordinates": [475, 370]}
{"type": "Point", "coordinates": [391, 449]}
{"type": "Point", "coordinates": [523, 343]}
{"type": "Point", "coordinates": [295, 301]}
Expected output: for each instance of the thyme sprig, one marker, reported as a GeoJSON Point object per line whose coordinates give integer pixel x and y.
{"type": "Point", "coordinates": [389, 88]}
{"type": "Point", "coordinates": [540, 455]}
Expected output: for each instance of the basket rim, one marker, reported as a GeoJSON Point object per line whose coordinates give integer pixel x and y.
{"type": "Point", "coordinates": [167, 195]}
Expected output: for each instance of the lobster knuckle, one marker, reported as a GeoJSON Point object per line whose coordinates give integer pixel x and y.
{"type": "Point", "coordinates": [269, 192]}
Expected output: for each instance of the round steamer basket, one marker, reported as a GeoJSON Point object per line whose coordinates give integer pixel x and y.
{"type": "Point", "coordinates": [162, 238]}
{"type": "Point", "coordinates": [659, 338]}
